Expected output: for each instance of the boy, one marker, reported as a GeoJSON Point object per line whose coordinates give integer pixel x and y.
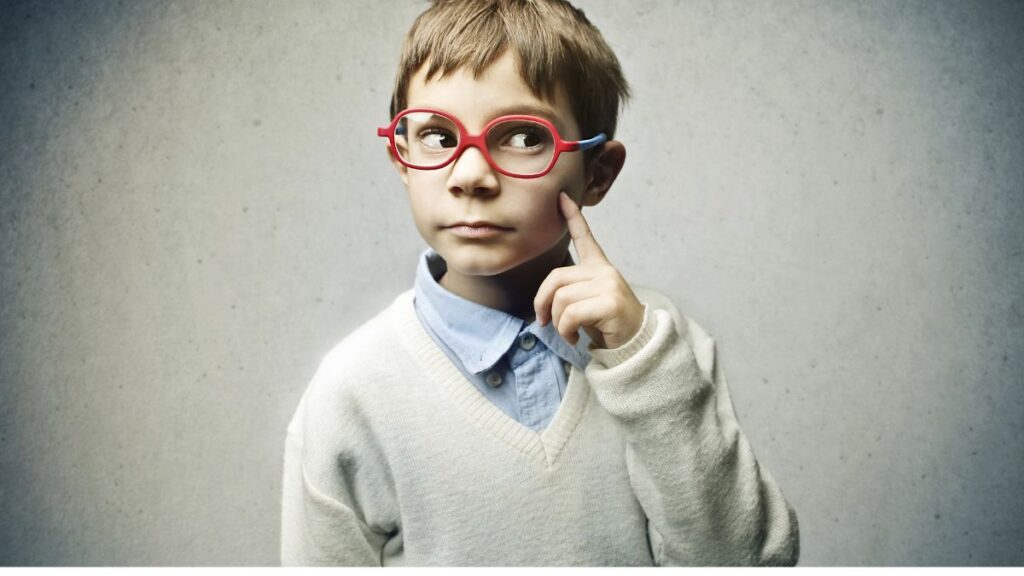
{"type": "Point", "coordinates": [517, 408]}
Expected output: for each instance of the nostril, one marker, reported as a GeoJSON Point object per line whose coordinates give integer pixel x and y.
{"type": "Point", "coordinates": [475, 190]}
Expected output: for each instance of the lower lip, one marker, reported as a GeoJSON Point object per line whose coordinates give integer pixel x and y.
{"type": "Point", "coordinates": [477, 231]}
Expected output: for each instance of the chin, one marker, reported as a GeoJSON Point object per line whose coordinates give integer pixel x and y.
{"type": "Point", "coordinates": [478, 264]}
{"type": "Point", "coordinates": [490, 260]}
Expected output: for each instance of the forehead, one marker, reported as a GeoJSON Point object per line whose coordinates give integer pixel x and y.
{"type": "Point", "coordinates": [498, 90]}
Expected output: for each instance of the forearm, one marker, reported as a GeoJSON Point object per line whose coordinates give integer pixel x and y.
{"type": "Point", "coordinates": [691, 467]}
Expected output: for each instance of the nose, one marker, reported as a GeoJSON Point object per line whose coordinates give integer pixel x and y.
{"type": "Point", "coordinates": [472, 174]}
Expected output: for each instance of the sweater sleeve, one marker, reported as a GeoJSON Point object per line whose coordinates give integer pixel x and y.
{"type": "Point", "coordinates": [324, 516]}
{"type": "Point", "coordinates": [707, 500]}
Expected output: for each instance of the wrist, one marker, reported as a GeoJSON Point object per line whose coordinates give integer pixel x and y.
{"type": "Point", "coordinates": [614, 356]}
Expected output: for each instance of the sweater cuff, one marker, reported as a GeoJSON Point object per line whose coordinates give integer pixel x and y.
{"type": "Point", "coordinates": [615, 356]}
{"type": "Point", "coordinates": [658, 383]}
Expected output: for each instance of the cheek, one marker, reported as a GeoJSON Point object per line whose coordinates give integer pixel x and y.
{"type": "Point", "coordinates": [421, 190]}
{"type": "Point", "coordinates": [568, 174]}
{"type": "Point", "coordinates": [423, 182]}
{"type": "Point", "coordinates": [422, 214]}
{"type": "Point", "coordinates": [545, 219]}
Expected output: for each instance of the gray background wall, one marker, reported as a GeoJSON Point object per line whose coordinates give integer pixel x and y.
{"type": "Point", "coordinates": [195, 208]}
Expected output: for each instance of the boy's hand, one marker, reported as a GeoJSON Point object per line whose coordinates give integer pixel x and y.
{"type": "Point", "coordinates": [592, 294]}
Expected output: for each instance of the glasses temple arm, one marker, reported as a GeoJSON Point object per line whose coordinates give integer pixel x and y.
{"type": "Point", "coordinates": [592, 142]}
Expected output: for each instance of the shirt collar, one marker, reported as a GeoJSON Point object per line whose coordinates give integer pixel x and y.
{"type": "Point", "coordinates": [479, 335]}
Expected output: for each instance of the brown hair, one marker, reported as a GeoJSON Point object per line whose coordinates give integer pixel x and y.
{"type": "Point", "coordinates": [553, 42]}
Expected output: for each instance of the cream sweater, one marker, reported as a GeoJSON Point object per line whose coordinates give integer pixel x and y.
{"type": "Point", "coordinates": [644, 462]}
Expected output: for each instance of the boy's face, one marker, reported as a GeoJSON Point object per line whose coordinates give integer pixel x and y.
{"type": "Point", "coordinates": [469, 190]}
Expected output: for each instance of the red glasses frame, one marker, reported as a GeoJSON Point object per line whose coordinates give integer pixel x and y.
{"type": "Point", "coordinates": [479, 141]}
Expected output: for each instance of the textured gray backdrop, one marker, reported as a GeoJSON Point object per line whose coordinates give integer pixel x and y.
{"type": "Point", "coordinates": [195, 208]}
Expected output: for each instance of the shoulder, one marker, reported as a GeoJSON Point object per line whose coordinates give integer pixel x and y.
{"type": "Point", "coordinates": [356, 369]}
{"type": "Point", "coordinates": [370, 343]}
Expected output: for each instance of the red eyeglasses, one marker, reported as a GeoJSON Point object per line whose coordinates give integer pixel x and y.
{"type": "Point", "coordinates": [519, 146]}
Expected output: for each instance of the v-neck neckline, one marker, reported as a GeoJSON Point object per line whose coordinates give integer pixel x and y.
{"type": "Point", "coordinates": [542, 447]}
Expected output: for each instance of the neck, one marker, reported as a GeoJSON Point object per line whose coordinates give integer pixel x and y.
{"type": "Point", "coordinates": [511, 291]}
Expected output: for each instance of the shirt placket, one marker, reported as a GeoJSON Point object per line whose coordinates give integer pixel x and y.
{"type": "Point", "coordinates": [536, 388]}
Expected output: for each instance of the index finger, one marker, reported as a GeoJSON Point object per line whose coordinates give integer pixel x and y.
{"type": "Point", "coordinates": [579, 230]}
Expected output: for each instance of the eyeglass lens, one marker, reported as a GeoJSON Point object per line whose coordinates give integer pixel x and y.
{"type": "Point", "coordinates": [427, 140]}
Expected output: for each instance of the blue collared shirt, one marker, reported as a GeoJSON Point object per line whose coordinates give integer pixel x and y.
{"type": "Point", "coordinates": [522, 368]}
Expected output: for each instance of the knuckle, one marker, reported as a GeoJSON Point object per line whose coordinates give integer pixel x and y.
{"type": "Point", "coordinates": [618, 283]}
{"type": "Point", "coordinates": [559, 299]}
{"type": "Point", "coordinates": [615, 307]}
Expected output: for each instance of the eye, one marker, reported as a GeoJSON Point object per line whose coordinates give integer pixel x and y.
{"type": "Point", "coordinates": [526, 139]}
{"type": "Point", "coordinates": [437, 139]}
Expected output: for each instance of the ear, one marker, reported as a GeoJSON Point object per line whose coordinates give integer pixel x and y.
{"type": "Point", "coordinates": [403, 171]}
{"type": "Point", "coordinates": [602, 171]}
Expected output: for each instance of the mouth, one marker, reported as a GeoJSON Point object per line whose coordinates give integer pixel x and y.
{"type": "Point", "coordinates": [477, 229]}
{"type": "Point", "coordinates": [478, 224]}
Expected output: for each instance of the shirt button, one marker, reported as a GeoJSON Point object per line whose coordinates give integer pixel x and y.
{"type": "Point", "coordinates": [528, 341]}
{"type": "Point", "coordinates": [493, 379]}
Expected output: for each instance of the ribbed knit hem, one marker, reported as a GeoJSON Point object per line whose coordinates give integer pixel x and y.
{"type": "Point", "coordinates": [662, 377]}
{"type": "Point", "coordinates": [615, 356]}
